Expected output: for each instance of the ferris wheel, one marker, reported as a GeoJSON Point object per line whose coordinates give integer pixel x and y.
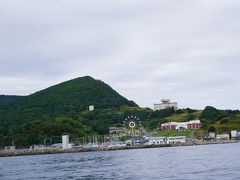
{"type": "Point", "coordinates": [133, 124]}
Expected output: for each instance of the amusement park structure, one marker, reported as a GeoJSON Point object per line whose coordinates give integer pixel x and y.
{"type": "Point", "coordinates": [135, 129]}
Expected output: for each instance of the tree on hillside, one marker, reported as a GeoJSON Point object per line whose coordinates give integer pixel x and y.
{"type": "Point", "coordinates": [163, 113]}
{"type": "Point", "coordinates": [212, 114]}
{"type": "Point", "coordinates": [212, 129]}
{"type": "Point", "coordinates": [190, 117]}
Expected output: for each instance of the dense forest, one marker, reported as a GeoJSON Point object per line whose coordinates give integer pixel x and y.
{"type": "Point", "coordinates": [56, 110]}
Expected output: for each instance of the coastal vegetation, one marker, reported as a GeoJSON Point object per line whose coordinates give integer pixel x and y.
{"type": "Point", "coordinates": [63, 109]}
{"type": "Point", "coordinates": [186, 133]}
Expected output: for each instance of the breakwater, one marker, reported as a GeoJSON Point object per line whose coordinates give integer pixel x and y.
{"type": "Point", "coordinates": [50, 150]}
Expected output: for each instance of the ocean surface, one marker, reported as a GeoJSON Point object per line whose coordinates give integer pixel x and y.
{"type": "Point", "coordinates": [193, 162]}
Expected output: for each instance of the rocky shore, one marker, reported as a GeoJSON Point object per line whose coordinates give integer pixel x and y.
{"type": "Point", "coordinates": [50, 150]}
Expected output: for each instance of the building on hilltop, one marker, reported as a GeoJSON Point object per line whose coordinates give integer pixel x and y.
{"type": "Point", "coordinates": [181, 126]}
{"type": "Point", "coordinates": [165, 104]}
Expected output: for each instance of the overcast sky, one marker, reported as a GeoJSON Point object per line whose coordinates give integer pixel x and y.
{"type": "Point", "coordinates": [185, 50]}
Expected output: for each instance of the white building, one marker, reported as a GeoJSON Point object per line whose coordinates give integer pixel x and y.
{"type": "Point", "coordinates": [91, 108]}
{"type": "Point", "coordinates": [176, 139]}
{"type": "Point", "coordinates": [233, 134]}
{"type": "Point", "coordinates": [156, 140]}
{"type": "Point", "coordinates": [222, 137]}
{"type": "Point", "coordinates": [165, 104]}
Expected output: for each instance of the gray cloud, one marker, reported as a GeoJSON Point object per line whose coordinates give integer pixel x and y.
{"type": "Point", "coordinates": [184, 50]}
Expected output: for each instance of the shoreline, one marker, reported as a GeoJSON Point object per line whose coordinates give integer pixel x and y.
{"type": "Point", "coordinates": [50, 150]}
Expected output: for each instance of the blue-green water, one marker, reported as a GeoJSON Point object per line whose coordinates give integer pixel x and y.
{"type": "Point", "coordinates": [195, 162]}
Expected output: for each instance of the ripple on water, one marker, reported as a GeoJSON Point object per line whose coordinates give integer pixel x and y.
{"type": "Point", "coordinates": [196, 162]}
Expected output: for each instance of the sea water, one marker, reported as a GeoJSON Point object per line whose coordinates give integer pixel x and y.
{"type": "Point", "coordinates": [192, 162]}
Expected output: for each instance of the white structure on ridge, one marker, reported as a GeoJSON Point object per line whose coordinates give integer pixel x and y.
{"type": "Point", "coordinates": [165, 104]}
{"type": "Point", "coordinates": [91, 108]}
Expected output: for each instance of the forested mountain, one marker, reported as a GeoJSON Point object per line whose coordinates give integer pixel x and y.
{"type": "Point", "coordinates": [57, 110]}
{"type": "Point", "coordinates": [63, 108]}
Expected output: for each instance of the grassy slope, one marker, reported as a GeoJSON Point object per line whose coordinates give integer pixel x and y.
{"type": "Point", "coordinates": [181, 117]}
{"type": "Point", "coordinates": [232, 123]}
{"type": "Point", "coordinates": [172, 133]}
{"type": "Point", "coordinates": [176, 118]}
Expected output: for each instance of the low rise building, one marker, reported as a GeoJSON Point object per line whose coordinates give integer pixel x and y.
{"type": "Point", "coordinates": [176, 140]}
{"type": "Point", "coordinates": [221, 137]}
{"type": "Point", "coordinates": [238, 135]}
{"type": "Point", "coordinates": [211, 136]}
{"type": "Point", "coordinates": [169, 126]}
{"type": "Point", "coordinates": [233, 134]}
{"type": "Point", "coordinates": [180, 126]}
{"type": "Point", "coordinates": [156, 140]}
{"type": "Point", "coordinates": [166, 140]}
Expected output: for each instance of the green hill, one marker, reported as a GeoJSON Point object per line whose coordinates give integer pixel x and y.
{"type": "Point", "coordinates": [212, 119]}
{"type": "Point", "coordinates": [63, 108]}
{"type": "Point", "coordinates": [220, 120]}
{"type": "Point", "coordinates": [57, 110]}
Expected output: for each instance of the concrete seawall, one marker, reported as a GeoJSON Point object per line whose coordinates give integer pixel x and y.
{"type": "Point", "coordinates": [25, 152]}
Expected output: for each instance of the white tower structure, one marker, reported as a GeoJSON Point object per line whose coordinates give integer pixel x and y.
{"type": "Point", "coordinates": [65, 141]}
